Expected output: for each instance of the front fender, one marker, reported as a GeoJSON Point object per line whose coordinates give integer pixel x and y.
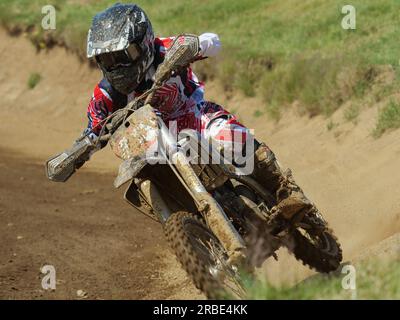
{"type": "Point", "coordinates": [128, 170]}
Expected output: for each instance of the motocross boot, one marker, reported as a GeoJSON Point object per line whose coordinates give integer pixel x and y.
{"type": "Point", "coordinates": [289, 196]}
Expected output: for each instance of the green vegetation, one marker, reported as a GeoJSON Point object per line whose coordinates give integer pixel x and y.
{"type": "Point", "coordinates": [283, 51]}
{"type": "Point", "coordinates": [374, 280]}
{"type": "Point", "coordinates": [331, 125]}
{"type": "Point", "coordinates": [351, 113]}
{"type": "Point", "coordinates": [33, 80]}
{"type": "Point", "coordinates": [389, 118]}
{"type": "Point", "coordinates": [257, 113]}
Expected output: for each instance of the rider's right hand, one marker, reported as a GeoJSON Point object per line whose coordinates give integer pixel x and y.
{"type": "Point", "coordinates": [87, 155]}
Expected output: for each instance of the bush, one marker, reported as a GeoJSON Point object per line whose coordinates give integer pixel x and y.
{"type": "Point", "coordinates": [33, 80]}
{"type": "Point", "coordinates": [388, 118]}
{"type": "Point", "coordinates": [331, 125]}
{"type": "Point", "coordinates": [351, 113]}
{"type": "Point", "coordinates": [257, 114]}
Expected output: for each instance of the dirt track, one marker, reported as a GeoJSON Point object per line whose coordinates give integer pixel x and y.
{"type": "Point", "coordinates": [99, 244]}
{"type": "Point", "coordinates": [96, 242]}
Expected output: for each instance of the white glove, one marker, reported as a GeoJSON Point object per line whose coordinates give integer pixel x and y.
{"type": "Point", "coordinates": [210, 45]}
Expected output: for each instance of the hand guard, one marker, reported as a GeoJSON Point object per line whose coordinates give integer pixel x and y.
{"type": "Point", "coordinates": [184, 50]}
{"type": "Point", "coordinates": [61, 167]}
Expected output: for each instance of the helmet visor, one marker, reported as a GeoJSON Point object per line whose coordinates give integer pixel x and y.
{"type": "Point", "coordinates": [121, 58]}
{"type": "Point", "coordinates": [133, 51]}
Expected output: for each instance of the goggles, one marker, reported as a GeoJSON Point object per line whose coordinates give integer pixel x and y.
{"type": "Point", "coordinates": [112, 60]}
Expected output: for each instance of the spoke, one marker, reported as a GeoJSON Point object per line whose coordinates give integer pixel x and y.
{"type": "Point", "coordinates": [218, 266]}
{"type": "Point", "coordinates": [228, 273]}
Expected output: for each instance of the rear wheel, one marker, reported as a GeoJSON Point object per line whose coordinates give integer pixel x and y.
{"type": "Point", "coordinates": [316, 245]}
{"type": "Point", "coordinates": [202, 256]}
{"type": "Point", "coordinates": [311, 241]}
{"type": "Point", "coordinates": [258, 234]}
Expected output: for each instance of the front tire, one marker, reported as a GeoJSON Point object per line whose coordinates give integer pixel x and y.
{"type": "Point", "coordinates": [201, 255]}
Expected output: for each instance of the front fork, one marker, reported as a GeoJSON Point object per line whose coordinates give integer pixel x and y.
{"type": "Point", "coordinates": [214, 215]}
{"type": "Point", "coordinates": [153, 197]}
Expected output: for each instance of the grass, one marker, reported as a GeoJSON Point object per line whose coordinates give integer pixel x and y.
{"type": "Point", "coordinates": [282, 51]}
{"type": "Point", "coordinates": [351, 113]}
{"type": "Point", "coordinates": [388, 118]}
{"type": "Point", "coordinates": [374, 280]}
{"type": "Point", "coordinates": [257, 114]}
{"type": "Point", "coordinates": [331, 125]}
{"type": "Point", "coordinates": [33, 80]}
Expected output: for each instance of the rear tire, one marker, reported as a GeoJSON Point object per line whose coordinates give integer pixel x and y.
{"type": "Point", "coordinates": [316, 246]}
{"type": "Point", "coordinates": [193, 242]}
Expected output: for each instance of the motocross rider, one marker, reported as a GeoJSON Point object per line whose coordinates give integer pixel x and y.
{"type": "Point", "coordinates": [122, 42]}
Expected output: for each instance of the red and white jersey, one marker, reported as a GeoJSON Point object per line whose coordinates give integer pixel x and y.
{"type": "Point", "coordinates": [180, 100]}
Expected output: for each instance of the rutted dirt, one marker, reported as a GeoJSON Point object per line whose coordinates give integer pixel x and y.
{"type": "Point", "coordinates": [99, 244]}
{"type": "Point", "coordinates": [94, 239]}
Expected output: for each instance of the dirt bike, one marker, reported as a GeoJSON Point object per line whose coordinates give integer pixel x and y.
{"type": "Point", "coordinates": [218, 223]}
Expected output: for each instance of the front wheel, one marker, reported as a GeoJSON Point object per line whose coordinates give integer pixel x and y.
{"type": "Point", "coordinates": [202, 256]}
